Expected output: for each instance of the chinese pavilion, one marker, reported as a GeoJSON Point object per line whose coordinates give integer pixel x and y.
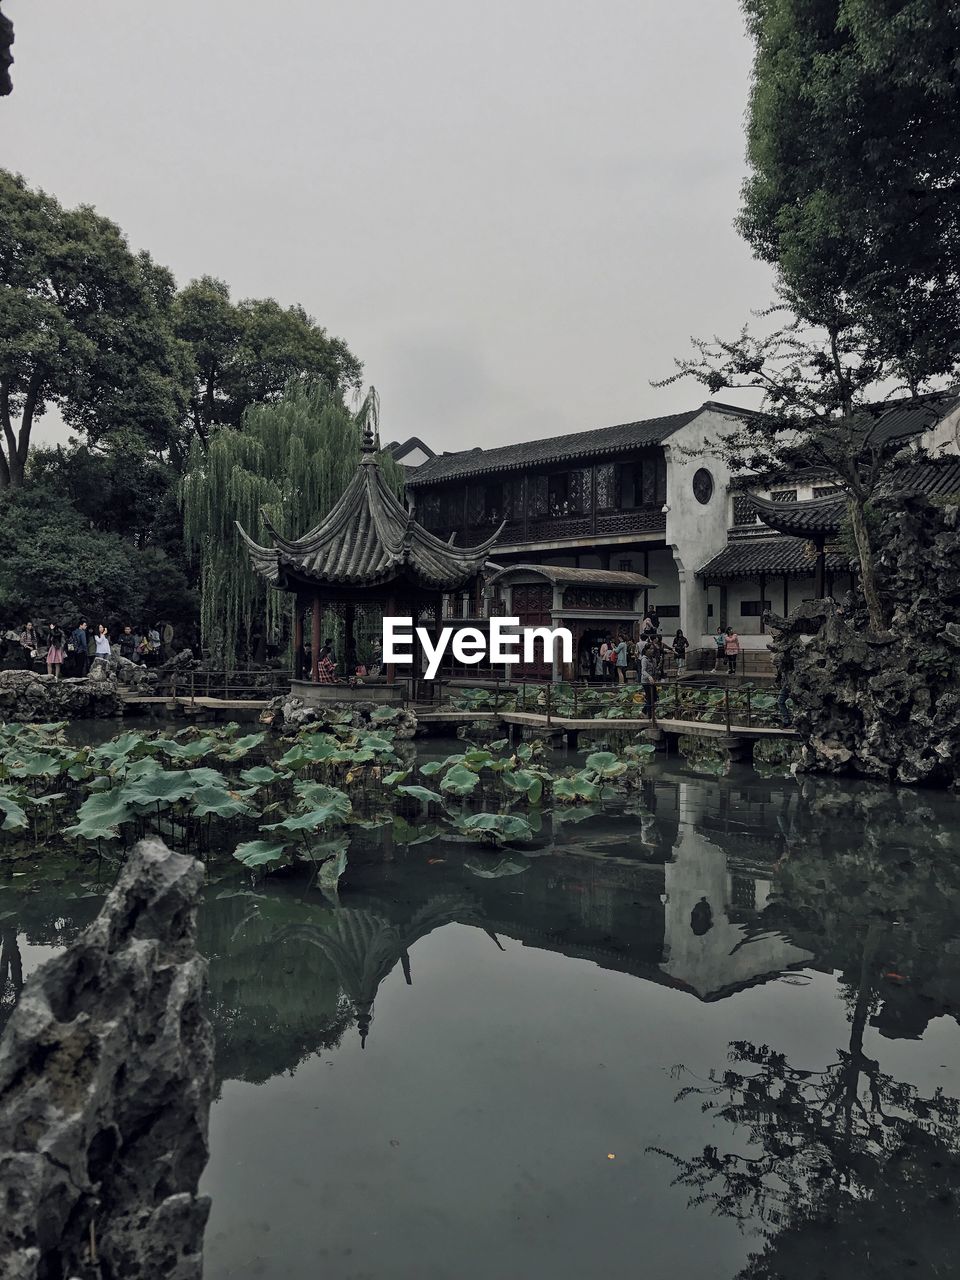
{"type": "Point", "coordinates": [368, 551]}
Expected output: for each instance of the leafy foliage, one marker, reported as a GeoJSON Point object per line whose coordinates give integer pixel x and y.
{"type": "Point", "coordinates": [291, 459]}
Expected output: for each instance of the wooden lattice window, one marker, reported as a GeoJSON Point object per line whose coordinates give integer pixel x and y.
{"type": "Point", "coordinates": [608, 498]}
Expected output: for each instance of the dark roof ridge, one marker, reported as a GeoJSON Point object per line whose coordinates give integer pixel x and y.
{"type": "Point", "coordinates": [618, 438]}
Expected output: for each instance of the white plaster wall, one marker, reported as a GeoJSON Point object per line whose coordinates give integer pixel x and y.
{"type": "Point", "coordinates": [942, 440]}
{"type": "Point", "coordinates": [696, 531]}
{"type": "Point", "coordinates": [727, 954]}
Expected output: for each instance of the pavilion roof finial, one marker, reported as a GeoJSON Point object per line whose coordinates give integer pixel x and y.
{"type": "Point", "coordinates": [368, 418]}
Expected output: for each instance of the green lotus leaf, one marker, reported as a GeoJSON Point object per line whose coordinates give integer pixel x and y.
{"type": "Point", "coordinates": [494, 828]}
{"type": "Point", "coordinates": [261, 775]}
{"type": "Point", "coordinates": [14, 818]}
{"type": "Point", "coordinates": [101, 815]}
{"type": "Point", "coordinates": [391, 779]}
{"type": "Point", "coordinates": [606, 764]}
{"type": "Point", "coordinates": [242, 746]}
{"type": "Point", "coordinates": [530, 784]}
{"type": "Point", "coordinates": [422, 793]}
{"type": "Point", "coordinates": [217, 801]}
{"type": "Point", "coordinates": [257, 853]}
{"type": "Point", "coordinates": [460, 781]}
{"type": "Point", "coordinates": [317, 795]}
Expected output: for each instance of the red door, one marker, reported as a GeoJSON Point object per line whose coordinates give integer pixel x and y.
{"type": "Point", "coordinates": [532, 605]}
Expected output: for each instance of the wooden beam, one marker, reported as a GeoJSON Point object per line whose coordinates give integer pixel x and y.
{"type": "Point", "coordinates": [315, 641]}
{"type": "Point", "coordinates": [297, 638]}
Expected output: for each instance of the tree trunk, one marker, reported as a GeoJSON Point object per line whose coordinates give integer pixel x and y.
{"type": "Point", "coordinates": [868, 578]}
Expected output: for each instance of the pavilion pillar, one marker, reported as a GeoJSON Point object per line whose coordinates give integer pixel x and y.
{"type": "Point", "coordinates": [297, 637]}
{"type": "Point", "coordinates": [786, 595]}
{"type": "Point", "coordinates": [315, 640]}
{"type": "Point", "coordinates": [763, 590]}
{"type": "Point", "coordinates": [350, 655]}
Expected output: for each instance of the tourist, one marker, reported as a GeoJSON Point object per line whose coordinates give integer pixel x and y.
{"type": "Point", "coordinates": [56, 646]}
{"type": "Point", "coordinates": [648, 679]}
{"type": "Point", "coordinates": [620, 659]}
{"type": "Point", "coordinates": [28, 639]}
{"type": "Point", "coordinates": [127, 644]}
{"type": "Point", "coordinates": [731, 649]}
{"type": "Point", "coordinates": [680, 646]}
{"type": "Point", "coordinates": [101, 644]}
{"type": "Point", "coordinates": [597, 662]}
{"type": "Point", "coordinates": [610, 661]}
{"type": "Point", "coordinates": [653, 618]}
{"type": "Point", "coordinates": [376, 659]}
{"type": "Point", "coordinates": [77, 646]}
{"type": "Point", "coordinates": [718, 639]}
{"type": "Point", "coordinates": [326, 666]}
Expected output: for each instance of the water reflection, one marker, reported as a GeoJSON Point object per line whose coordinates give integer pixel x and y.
{"type": "Point", "coordinates": [830, 914]}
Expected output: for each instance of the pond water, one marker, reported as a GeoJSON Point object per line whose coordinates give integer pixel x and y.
{"type": "Point", "coordinates": [712, 1037]}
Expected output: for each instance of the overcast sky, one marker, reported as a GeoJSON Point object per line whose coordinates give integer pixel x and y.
{"type": "Point", "coordinates": [516, 212]}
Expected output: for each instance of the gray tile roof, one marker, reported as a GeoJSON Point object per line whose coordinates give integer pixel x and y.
{"type": "Point", "coordinates": [555, 449]}
{"type": "Point", "coordinates": [562, 574]}
{"type": "Point", "coordinates": [749, 557]}
{"type": "Point", "coordinates": [805, 519]}
{"type": "Point", "coordinates": [368, 539]}
{"type": "Point", "coordinates": [901, 419]}
{"type": "Point", "coordinates": [936, 478]}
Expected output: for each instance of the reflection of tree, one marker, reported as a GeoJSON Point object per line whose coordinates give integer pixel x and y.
{"type": "Point", "coordinates": [364, 946]}
{"type": "Point", "coordinates": [827, 1154]}
{"type": "Point", "coordinates": [273, 1003]}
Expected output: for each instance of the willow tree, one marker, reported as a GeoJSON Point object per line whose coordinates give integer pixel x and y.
{"type": "Point", "coordinates": [292, 460]}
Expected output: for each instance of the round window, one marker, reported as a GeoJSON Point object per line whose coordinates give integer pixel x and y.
{"type": "Point", "coordinates": [703, 486]}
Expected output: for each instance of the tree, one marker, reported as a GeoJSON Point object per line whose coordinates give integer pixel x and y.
{"type": "Point", "coordinates": [54, 565]}
{"type": "Point", "coordinates": [822, 397]}
{"type": "Point", "coordinates": [246, 353]}
{"type": "Point", "coordinates": [855, 172]}
{"type": "Point", "coordinates": [84, 325]}
{"type": "Point", "coordinates": [824, 1151]}
{"type": "Point", "coordinates": [853, 142]}
{"type": "Point", "coordinates": [292, 458]}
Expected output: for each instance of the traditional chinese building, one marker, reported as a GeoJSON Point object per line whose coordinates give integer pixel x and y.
{"type": "Point", "coordinates": [646, 499]}
{"type": "Point", "coordinates": [368, 553]}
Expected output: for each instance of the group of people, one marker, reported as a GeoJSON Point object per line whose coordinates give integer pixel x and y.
{"type": "Point", "coordinates": [73, 653]}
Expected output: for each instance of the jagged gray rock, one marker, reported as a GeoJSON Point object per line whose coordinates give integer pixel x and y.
{"type": "Point", "coordinates": [288, 711]}
{"type": "Point", "coordinates": [106, 1073]}
{"type": "Point", "coordinates": [885, 706]}
{"type": "Point", "coordinates": [27, 697]}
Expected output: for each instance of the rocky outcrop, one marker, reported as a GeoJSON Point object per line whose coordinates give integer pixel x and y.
{"type": "Point", "coordinates": [290, 712]}
{"type": "Point", "coordinates": [884, 705]}
{"type": "Point", "coordinates": [106, 1069]}
{"type": "Point", "coordinates": [27, 697]}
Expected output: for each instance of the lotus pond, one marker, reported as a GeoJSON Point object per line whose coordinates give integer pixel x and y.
{"type": "Point", "coordinates": [485, 1011]}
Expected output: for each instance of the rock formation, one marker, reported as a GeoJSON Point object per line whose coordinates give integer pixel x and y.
{"type": "Point", "coordinates": [28, 697]}
{"type": "Point", "coordinates": [884, 706]}
{"type": "Point", "coordinates": [289, 712]}
{"type": "Point", "coordinates": [106, 1069]}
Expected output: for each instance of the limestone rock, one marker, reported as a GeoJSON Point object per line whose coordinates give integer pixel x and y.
{"type": "Point", "coordinates": [28, 697]}
{"type": "Point", "coordinates": [106, 1069]}
{"type": "Point", "coordinates": [289, 712]}
{"type": "Point", "coordinates": [885, 706]}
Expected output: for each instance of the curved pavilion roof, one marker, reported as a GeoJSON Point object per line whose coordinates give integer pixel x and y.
{"type": "Point", "coordinates": [814, 519]}
{"type": "Point", "coordinates": [368, 539]}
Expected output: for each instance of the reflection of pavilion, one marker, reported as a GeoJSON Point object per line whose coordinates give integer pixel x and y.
{"type": "Point", "coordinates": [364, 947]}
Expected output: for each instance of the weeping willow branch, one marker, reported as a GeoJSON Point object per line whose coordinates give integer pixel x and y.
{"type": "Point", "coordinates": [292, 459]}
